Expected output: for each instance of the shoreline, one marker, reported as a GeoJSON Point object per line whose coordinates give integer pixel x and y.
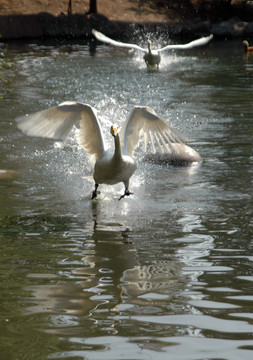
{"type": "Point", "coordinates": [44, 26]}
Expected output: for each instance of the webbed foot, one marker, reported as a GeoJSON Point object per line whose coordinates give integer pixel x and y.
{"type": "Point", "coordinates": [126, 193]}
{"type": "Point", "coordinates": [95, 192]}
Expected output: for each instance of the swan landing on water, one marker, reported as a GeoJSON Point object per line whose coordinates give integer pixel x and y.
{"type": "Point", "coordinates": [152, 57]}
{"type": "Point", "coordinates": [111, 167]}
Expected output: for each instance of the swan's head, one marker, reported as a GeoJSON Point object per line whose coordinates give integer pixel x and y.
{"type": "Point", "coordinates": [114, 130]}
{"type": "Point", "coordinates": [149, 44]}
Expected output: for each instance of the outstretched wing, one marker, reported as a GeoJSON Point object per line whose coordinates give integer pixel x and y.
{"type": "Point", "coordinates": [101, 37]}
{"type": "Point", "coordinates": [143, 123]}
{"type": "Point", "coordinates": [199, 42]}
{"type": "Point", "coordinates": [56, 123]}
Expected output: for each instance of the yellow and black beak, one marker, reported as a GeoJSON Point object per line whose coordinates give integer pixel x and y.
{"type": "Point", "coordinates": [114, 130]}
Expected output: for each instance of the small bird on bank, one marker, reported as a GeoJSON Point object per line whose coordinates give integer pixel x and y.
{"type": "Point", "coordinates": [111, 167]}
{"type": "Point", "coordinates": [151, 57]}
{"type": "Point", "coordinates": [246, 46]}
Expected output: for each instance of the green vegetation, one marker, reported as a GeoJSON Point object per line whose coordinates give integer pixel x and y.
{"type": "Point", "coordinates": [213, 10]}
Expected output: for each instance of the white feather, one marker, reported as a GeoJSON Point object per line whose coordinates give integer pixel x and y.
{"type": "Point", "coordinates": [152, 56]}
{"type": "Point", "coordinates": [110, 167]}
{"type": "Point", "coordinates": [199, 42]}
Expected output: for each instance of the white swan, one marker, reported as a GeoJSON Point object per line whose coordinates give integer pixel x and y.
{"type": "Point", "coordinates": [152, 58]}
{"type": "Point", "coordinates": [110, 167]}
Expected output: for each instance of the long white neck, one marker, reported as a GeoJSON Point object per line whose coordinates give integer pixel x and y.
{"type": "Point", "coordinates": [149, 47]}
{"type": "Point", "coordinates": [117, 151]}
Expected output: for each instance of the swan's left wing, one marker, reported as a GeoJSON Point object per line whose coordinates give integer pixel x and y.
{"type": "Point", "coordinates": [143, 123]}
{"type": "Point", "coordinates": [56, 123]}
{"type": "Point", "coordinates": [103, 38]}
{"type": "Point", "coordinates": [199, 42]}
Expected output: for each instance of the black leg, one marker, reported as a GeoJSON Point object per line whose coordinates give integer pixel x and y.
{"type": "Point", "coordinates": [94, 193]}
{"type": "Point", "coordinates": [126, 193]}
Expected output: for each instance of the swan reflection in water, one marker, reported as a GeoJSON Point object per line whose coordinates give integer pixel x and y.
{"type": "Point", "coordinates": [111, 273]}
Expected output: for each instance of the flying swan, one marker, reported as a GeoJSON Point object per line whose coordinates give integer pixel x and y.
{"type": "Point", "coordinates": [151, 57]}
{"type": "Point", "coordinates": [111, 167]}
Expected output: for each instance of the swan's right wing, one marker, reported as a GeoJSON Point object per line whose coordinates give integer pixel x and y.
{"type": "Point", "coordinates": [199, 42]}
{"type": "Point", "coordinates": [103, 38]}
{"type": "Point", "coordinates": [143, 123]}
{"type": "Point", "coordinates": [56, 123]}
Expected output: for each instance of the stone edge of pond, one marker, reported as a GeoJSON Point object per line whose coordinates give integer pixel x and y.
{"type": "Point", "coordinates": [48, 26]}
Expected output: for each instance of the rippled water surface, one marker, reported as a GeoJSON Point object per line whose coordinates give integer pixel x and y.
{"type": "Point", "coordinates": [163, 274]}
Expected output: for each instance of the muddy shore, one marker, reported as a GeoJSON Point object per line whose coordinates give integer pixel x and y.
{"type": "Point", "coordinates": [47, 26]}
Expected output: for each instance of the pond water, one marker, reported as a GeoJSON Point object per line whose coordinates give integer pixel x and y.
{"type": "Point", "coordinates": [164, 274]}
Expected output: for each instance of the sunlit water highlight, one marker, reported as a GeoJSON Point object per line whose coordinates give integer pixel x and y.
{"type": "Point", "coordinates": [164, 273]}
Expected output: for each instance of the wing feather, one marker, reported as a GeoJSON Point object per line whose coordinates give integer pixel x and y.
{"type": "Point", "coordinates": [144, 121]}
{"type": "Point", "coordinates": [56, 123]}
{"type": "Point", "coordinates": [199, 42]}
{"type": "Point", "coordinates": [103, 38]}
{"type": "Point", "coordinates": [152, 142]}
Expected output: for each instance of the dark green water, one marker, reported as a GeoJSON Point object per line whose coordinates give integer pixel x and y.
{"type": "Point", "coordinates": [164, 274]}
